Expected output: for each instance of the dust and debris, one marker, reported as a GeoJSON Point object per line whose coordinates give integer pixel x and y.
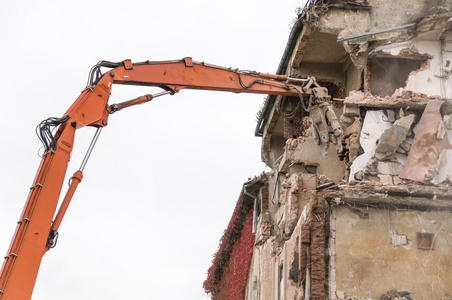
{"type": "Point", "coordinates": [396, 295]}
{"type": "Point", "coordinates": [426, 149]}
{"type": "Point", "coordinates": [393, 137]}
{"type": "Point", "coordinates": [393, 160]}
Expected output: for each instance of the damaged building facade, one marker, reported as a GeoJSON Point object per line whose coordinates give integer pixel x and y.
{"type": "Point", "coordinates": [358, 203]}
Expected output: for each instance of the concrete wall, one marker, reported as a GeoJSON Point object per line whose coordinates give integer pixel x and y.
{"type": "Point", "coordinates": [371, 251]}
{"type": "Point", "coordinates": [395, 13]}
{"type": "Point", "coordinates": [379, 253]}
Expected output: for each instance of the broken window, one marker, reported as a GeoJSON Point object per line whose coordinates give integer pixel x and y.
{"type": "Point", "coordinates": [294, 266]}
{"type": "Point", "coordinates": [281, 282]}
{"type": "Point", "coordinates": [390, 73]}
{"type": "Point", "coordinates": [425, 241]}
{"type": "Point", "coordinates": [255, 288]}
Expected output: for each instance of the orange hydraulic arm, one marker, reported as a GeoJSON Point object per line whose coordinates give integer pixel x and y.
{"type": "Point", "coordinates": [37, 227]}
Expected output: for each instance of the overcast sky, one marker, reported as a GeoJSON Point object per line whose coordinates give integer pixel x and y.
{"type": "Point", "coordinates": [161, 185]}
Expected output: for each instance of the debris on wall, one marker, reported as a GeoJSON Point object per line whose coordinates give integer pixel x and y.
{"type": "Point", "coordinates": [289, 200]}
{"type": "Point", "coordinates": [374, 125]}
{"type": "Point", "coordinates": [359, 190]}
{"type": "Point", "coordinates": [396, 295]}
{"type": "Point", "coordinates": [391, 139]}
{"type": "Point", "coordinates": [428, 146]}
{"type": "Point", "coordinates": [399, 240]}
{"type": "Point", "coordinates": [306, 152]}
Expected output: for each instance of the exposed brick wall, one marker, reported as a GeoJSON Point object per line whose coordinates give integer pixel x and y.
{"type": "Point", "coordinates": [313, 236]}
{"type": "Point", "coordinates": [293, 121]}
{"type": "Point", "coordinates": [265, 196]}
{"type": "Point", "coordinates": [293, 127]}
{"type": "Point", "coordinates": [305, 240]}
{"type": "Point", "coordinates": [318, 267]}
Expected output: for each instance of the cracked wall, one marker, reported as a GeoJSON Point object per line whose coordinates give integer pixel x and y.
{"type": "Point", "coordinates": [358, 201]}
{"type": "Point", "coordinates": [379, 252]}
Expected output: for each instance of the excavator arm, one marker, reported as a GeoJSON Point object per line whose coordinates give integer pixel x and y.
{"type": "Point", "coordinates": [37, 228]}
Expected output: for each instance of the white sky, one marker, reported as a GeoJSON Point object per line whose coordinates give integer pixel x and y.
{"type": "Point", "coordinates": [161, 185]}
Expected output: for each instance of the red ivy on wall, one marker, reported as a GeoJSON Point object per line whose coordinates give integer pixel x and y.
{"type": "Point", "coordinates": [227, 277]}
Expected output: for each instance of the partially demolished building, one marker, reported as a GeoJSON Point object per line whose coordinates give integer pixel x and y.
{"type": "Point", "coordinates": [358, 204]}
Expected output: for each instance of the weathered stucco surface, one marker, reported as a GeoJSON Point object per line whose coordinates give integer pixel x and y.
{"type": "Point", "coordinates": [379, 252]}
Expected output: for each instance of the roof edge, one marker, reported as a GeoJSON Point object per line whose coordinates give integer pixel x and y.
{"type": "Point", "coordinates": [296, 29]}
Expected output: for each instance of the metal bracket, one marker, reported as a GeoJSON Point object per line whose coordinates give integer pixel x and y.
{"type": "Point", "coordinates": [188, 62]}
{"type": "Point", "coordinates": [128, 64]}
{"type": "Point", "coordinates": [36, 185]}
{"type": "Point", "coordinates": [11, 255]}
{"type": "Point", "coordinates": [24, 219]}
{"type": "Point", "coordinates": [321, 94]}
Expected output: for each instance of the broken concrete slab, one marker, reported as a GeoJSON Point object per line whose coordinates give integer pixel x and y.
{"type": "Point", "coordinates": [385, 179]}
{"type": "Point", "coordinates": [389, 167]}
{"type": "Point", "coordinates": [306, 152]}
{"type": "Point", "coordinates": [441, 132]}
{"type": "Point", "coordinates": [374, 124]}
{"type": "Point", "coordinates": [404, 147]}
{"type": "Point", "coordinates": [391, 115]}
{"type": "Point", "coordinates": [445, 162]}
{"type": "Point", "coordinates": [397, 180]}
{"type": "Point", "coordinates": [393, 137]}
{"type": "Point", "coordinates": [447, 119]}
{"type": "Point", "coordinates": [426, 148]}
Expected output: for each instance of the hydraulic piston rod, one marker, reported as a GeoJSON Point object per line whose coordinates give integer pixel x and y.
{"type": "Point", "coordinates": [75, 180]}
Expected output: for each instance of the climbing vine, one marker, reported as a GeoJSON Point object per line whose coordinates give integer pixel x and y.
{"type": "Point", "coordinates": [227, 277]}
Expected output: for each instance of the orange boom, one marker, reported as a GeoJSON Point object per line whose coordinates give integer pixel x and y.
{"type": "Point", "coordinates": [37, 229]}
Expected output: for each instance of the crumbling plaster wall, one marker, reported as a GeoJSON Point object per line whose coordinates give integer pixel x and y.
{"type": "Point", "coordinates": [386, 13]}
{"type": "Point", "coordinates": [433, 78]}
{"type": "Point", "coordinates": [342, 22]}
{"type": "Point", "coordinates": [394, 148]}
{"type": "Point", "coordinates": [292, 266]}
{"type": "Point", "coordinates": [378, 252]}
{"type": "Point", "coordinates": [306, 152]}
{"type": "Point", "coordinates": [273, 135]}
{"type": "Point", "coordinates": [379, 14]}
{"type": "Point", "coordinates": [289, 253]}
{"type": "Point", "coordinates": [280, 236]}
{"type": "Point", "coordinates": [353, 77]}
{"type": "Point", "coordinates": [371, 250]}
{"type": "Point", "coordinates": [328, 24]}
{"type": "Point", "coordinates": [263, 269]}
